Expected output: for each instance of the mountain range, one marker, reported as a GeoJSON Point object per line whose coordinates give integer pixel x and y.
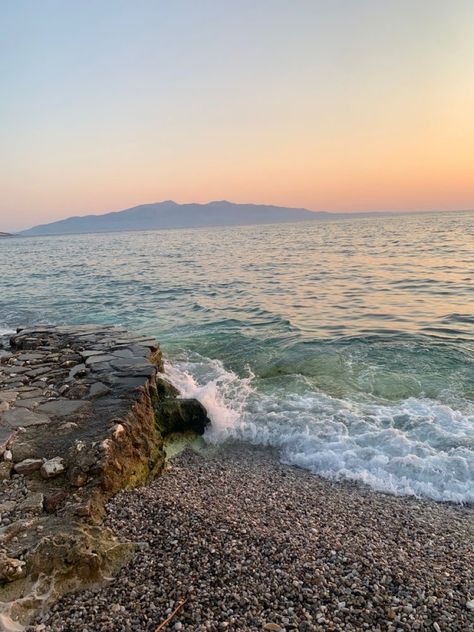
{"type": "Point", "coordinates": [169, 214]}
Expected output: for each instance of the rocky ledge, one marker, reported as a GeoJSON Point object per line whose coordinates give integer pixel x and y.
{"type": "Point", "coordinates": [84, 412]}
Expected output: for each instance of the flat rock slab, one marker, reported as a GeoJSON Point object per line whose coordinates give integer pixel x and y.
{"type": "Point", "coordinates": [22, 418]}
{"type": "Point", "coordinates": [62, 407]}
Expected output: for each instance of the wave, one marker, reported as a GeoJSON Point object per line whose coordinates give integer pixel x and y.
{"type": "Point", "coordinates": [416, 446]}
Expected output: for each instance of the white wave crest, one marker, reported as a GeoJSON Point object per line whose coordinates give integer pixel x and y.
{"type": "Point", "coordinates": [416, 446]}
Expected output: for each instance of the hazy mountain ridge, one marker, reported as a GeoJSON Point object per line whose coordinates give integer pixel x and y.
{"type": "Point", "coordinates": [169, 214]}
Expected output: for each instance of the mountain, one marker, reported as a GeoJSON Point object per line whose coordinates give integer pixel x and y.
{"type": "Point", "coordinates": [5, 235]}
{"type": "Point", "coordinates": [172, 215]}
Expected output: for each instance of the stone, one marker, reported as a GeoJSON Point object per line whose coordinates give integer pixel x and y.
{"type": "Point", "coordinates": [6, 435]}
{"type": "Point", "coordinates": [99, 358]}
{"type": "Point", "coordinates": [53, 501]}
{"type": "Point", "coordinates": [272, 627]}
{"type": "Point", "coordinates": [89, 353]}
{"type": "Point", "coordinates": [33, 503]}
{"type": "Point", "coordinates": [28, 466]}
{"type": "Point", "coordinates": [77, 391]}
{"type": "Point", "coordinates": [181, 415]}
{"type": "Point", "coordinates": [29, 403]}
{"type": "Point", "coordinates": [123, 353]}
{"type": "Point", "coordinates": [4, 406]}
{"type": "Point", "coordinates": [77, 477]}
{"type": "Point", "coordinates": [62, 407]}
{"type": "Point", "coordinates": [165, 388]}
{"type": "Point", "coordinates": [53, 467]}
{"type": "Point", "coordinates": [5, 356]}
{"type": "Point", "coordinates": [7, 506]}
{"type": "Point", "coordinates": [79, 370]}
{"type": "Point", "coordinates": [8, 396]}
{"type": "Point", "coordinates": [5, 470]}
{"type": "Point", "coordinates": [98, 389]}
{"type": "Point", "coordinates": [29, 393]}
{"type": "Point", "coordinates": [470, 604]}
{"type": "Point", "coordinates": [10, 568]}
{"type": "Point", "coordinates": [7, 455]}
{"type": "Point", "coordinates": [42, 370]}
{"type": "Point", "coordinates": [22, 417]}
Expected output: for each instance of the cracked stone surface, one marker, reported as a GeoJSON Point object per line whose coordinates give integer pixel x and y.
{"type": "Point", "coordinates": [78, 422]}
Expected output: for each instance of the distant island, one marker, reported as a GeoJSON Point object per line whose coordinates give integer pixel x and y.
{"type": "Point", "coordinates": [169, 214]}
{"type": "Point", "coordinates": [5, 235]}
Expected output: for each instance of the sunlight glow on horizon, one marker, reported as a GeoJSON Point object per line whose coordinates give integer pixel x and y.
{"type": "Point", "coordinates": [334, 106]}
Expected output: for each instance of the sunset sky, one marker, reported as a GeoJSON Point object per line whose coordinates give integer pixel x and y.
{"type": "Point", "coordinates": [331, 105]}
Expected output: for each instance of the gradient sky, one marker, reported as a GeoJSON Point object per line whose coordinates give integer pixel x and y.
{"type": "Point", "coordinates": [331, 105]}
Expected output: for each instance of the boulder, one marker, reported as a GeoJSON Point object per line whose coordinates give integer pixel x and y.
{"type": "Point", "coordinates": [165, 388]}
{"type": "Point", "coordinates": [181, 415]}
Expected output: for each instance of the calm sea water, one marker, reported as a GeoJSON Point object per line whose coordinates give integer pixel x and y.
{"type": "Point", "coordinates": [348, 345]}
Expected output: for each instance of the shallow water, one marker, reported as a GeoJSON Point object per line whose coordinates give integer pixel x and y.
{"type": "Point", "coordinates": [349, 345]}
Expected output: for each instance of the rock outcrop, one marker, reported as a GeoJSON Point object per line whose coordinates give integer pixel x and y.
{"type": "Point", "coordinates": [83, 413]}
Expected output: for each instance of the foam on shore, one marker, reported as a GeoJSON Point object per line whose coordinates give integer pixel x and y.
{"type": "Point", "coordinates": [416, 446]}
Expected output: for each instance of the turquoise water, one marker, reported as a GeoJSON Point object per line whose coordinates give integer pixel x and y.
{"type": "Point", "coordinates": [349, 345]}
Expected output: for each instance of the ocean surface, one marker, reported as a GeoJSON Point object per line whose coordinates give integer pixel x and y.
{"type": "Point", "coordinates": [348, 345]}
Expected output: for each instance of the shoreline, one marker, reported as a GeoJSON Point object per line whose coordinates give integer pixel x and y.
{"type": "Point", "coordinates": [254, 544]}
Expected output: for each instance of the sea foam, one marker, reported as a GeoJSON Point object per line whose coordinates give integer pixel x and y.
{"type": "Point", "coordinates": [414, 446]}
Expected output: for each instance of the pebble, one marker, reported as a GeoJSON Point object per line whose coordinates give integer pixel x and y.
{"type": "Point", "coordinates": [251, 542]}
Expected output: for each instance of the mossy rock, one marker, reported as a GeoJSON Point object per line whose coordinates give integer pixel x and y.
{"type": "Point", "coordinates": [181, 415]}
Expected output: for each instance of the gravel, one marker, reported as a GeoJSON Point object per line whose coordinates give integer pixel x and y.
{"type": "Point", "coordinates": [253, 544]}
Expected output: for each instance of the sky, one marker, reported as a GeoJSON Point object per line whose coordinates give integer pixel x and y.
{"type": "Point", "coordinates": [354, 105]}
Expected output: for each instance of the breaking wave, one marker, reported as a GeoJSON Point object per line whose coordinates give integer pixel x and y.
{"type": "Point", "coordinates": [416, 446]}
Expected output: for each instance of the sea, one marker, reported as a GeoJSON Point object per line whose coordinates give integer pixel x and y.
{"type": "Point", "coordinates": [348, 346]}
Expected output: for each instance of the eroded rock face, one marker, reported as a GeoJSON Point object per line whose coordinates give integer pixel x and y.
{"type": "Point", "coordinates": [82, 418]}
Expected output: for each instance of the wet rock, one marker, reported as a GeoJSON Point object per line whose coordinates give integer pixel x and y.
{"type": "Point", "coordinates": [53, 467]}
{"type": "Point", "coordinates": [181, 415]}
{"type": "Point", "coordinates": [28, 466]}
{"type": "Point", "coordinates": [165, 389]}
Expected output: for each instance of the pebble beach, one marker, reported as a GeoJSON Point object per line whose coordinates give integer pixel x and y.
{"type": "Point", "coordinates": [249, 543]}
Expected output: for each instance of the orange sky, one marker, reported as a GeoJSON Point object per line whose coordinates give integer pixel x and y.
{"type": "Point", "coordinates": [338, 106]}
